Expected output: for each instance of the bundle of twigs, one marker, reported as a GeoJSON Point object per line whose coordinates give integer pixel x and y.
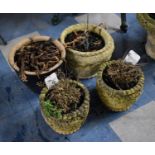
{"type": "Point", "coordinates": [122, 75]}
{"type": "Point", "coordinates": [84, 41]}
{"type": "Point", "coordinates": [37, 57]}
{"type": "Point", "coordinates": [65, 95]}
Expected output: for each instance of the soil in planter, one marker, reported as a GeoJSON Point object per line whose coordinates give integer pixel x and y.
{"type": "Point", "coordinates": [84, 41]}
{"type": "Point", "coordinates": [37, 57]}
{"type": "Point", "coordinates": [63, 98]}
{"type": "Point", "coordinates": [121, 76]}
{"type": "Point", "coordinates": [152, 15]}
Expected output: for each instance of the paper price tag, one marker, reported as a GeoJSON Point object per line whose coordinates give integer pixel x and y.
{"type": "Point", "coordinates": [132, 57]}
{"type": "Point", "coordinates": [51, 80]}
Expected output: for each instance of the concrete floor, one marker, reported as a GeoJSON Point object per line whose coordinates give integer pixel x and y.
{"type": "Point", "coordinates": [20, 115]}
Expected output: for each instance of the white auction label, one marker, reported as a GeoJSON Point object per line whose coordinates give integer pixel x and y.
{"type": "Point", "coordinates": [51, 80]}
{"type": "Point", "coordinates": [132, 57]}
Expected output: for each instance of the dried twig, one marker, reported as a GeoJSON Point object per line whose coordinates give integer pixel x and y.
{"type": "Point", "coordinates": [65, 96]}
{"type": "Point", "coordinates": [37, 57]}
{"type": "Point", "coordinates": [84, 41]}
{"type": "Point", "coordinates": [122, 75]}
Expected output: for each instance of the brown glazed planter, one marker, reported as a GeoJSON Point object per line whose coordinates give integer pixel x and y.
{"type": "Point", "coordinates": [32, 76]}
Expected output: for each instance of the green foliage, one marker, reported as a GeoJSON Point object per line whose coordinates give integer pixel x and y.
{"type": "Point", "coordinates": [52, 110]}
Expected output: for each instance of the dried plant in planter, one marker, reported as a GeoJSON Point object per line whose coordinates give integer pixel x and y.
{"type": "Point", "coordinates": [120, 75]}
{"type": "Point", "coordinates": [84, 41]}
{"type": "Point", "coordinates": [88, 46]}
{"type": "Point", "coordinates": [37, 57]}
{"type": "Point", "coordinates": [119, 84]}
{"type": "Point", "coordinates": [65, 96]}
{"type": "Point", "coordinates": [65, 106]}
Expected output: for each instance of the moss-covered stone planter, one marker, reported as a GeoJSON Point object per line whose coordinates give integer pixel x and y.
{"type": "Point", "coordinates": [117, 100]}
{"type": "Point", "coordinates": [148, 23]}
{"type": "Point", "coordinates": [86, 64]}
{"type": "Point", "coordinates": [70, 122]}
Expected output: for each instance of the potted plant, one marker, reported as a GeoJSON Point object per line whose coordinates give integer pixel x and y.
{"type": "Point", "coordinates": [147, 20]}
{"type": "Point", "coordinates": [36, 57]}
{"type": "Point", "coordinates": [119, 84]}
{"type": "Point", "coordinates": [87, 47]}
{"type": "Point", "coordinates": [65, 106]}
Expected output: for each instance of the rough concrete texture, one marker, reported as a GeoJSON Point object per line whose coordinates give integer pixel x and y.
{"type": "Point", "coordinates": [138, 125]}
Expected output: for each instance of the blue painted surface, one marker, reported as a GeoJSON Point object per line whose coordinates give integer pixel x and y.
{"type": "Point", "coordinates": [20, 115]}
{"type": "Point", "coordinates": [15, 25]}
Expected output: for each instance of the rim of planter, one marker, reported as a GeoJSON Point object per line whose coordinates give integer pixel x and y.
{"type": "Point", "coordinates": [26, 41]}
{"type": "Point", "coordinates": [70, 115]}
{"type": "Point", "coordinates": [146, 21]}
{"type": "Point", "coordinates": [108, 40]}
{"type": "Point", "coordinates": [124, 92]}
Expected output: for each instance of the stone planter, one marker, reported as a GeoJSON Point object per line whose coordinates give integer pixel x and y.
{"type": "Point", "coordinates": [149, 24]}
{"type": "Point", "coordinates": [32, 76]}
{"type": "Point", "coordinates": [117, 100]}
{"type": "Point", "coordinates": [69, 122]}
{"type": "Point", "coordinates": [86, 64]}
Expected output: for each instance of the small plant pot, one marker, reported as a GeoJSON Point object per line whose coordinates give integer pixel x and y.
{"type": "Point", "coordinates": [86, 64]}
{"type": "Point", "coordinates": [148, 22]}
{"type": "Point", "coordinates": [117, 100]}
{"type": "Point", "coordinates": [32, 77]}
{"type": "Point", "coordinates": [72, 121]}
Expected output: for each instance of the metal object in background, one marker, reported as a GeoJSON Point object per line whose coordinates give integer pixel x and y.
{"type": "Point", "coordinates": [124, 26]}
{"type": "Point", "coordinates": [56, 19]}
{"type": "Point", "coordinates": [2, 41]}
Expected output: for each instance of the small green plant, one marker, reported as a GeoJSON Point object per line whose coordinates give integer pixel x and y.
{"type": "Point", "coordinates": [52, 110]}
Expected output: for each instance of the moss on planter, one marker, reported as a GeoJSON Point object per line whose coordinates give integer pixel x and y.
{"type": "Point", "coordinates": [117, 100]}
{"type": "Point", "coordinates": [69, 122]}
{"type": "Point", "coordinates": [146, 21]}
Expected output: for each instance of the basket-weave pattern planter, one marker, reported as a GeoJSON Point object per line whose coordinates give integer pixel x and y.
{"type": "Point", "coordinates": [149, 24]}
{"type": "Point", "coordinates": [117, 100]}
{"type": "Point", "coordinates": [69, 122]}
{"type": "Point", "coordinates": [86, 64]}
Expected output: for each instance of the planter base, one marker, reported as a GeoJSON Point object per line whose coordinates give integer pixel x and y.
{"type": "Point", "coordinates": [62, 127]}
{"type": "Point", "coordinates": [84, 72]}
{"type": "Point", "coordinates": [115, 102]}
